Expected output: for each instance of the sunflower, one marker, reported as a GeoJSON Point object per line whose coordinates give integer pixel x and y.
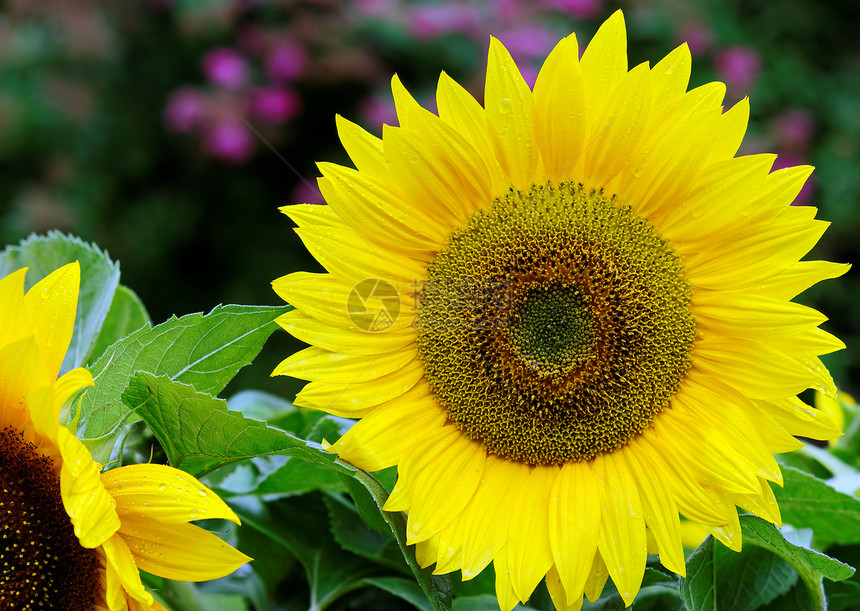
{"type": "Point", "coordinates": [74, 537]}
{"type": "Point", "coordinates": [594, 331]}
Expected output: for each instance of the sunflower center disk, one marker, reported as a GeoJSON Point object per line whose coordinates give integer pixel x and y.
{"type": "Point", "coordinates": [42, 564]}
{"type": "Point", "coordinates": [551, 329]}
{"type": "Point", "coordinates": [556, 325]}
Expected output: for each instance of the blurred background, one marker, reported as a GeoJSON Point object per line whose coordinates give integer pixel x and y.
{"type": "Point", "coordinates": [169, 131]}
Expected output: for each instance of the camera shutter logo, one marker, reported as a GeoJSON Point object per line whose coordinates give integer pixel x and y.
{"type": "Point", "coordinates": [373, 305]}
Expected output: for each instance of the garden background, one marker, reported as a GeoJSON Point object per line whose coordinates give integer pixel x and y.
{"type": "Point", "coordinates": [168, 132]}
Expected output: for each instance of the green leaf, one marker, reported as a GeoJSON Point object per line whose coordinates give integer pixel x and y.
{"type": "Point", "coordinates": [355, 536]}
{"type": "Point", "coordinates": [301, 526]}
{"type": "Point", "coordinates": [658, 590]}
{"type": "Point", "coordinates": [482, 602]}
{"type": "Point", "coordinates": [402, 588]}
{"type": "Point", "coordinates": [127, 313]}
{"type": "Point", "coordinates": [719, 579]}
{"type": "Point", "coordinates": [842, 595]}
{"type": "Point", "coordinates": [199, 434]}
{"type": "Point", "coordinates": [99, 279]}
{"type": "Point", "coordinates": [369, 503]}
{"type": "Point", "coordinates": [203, 351]}
{"type": "Point", "coordinates": [808, 502]}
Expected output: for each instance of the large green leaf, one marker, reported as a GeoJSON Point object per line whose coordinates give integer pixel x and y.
{"type": "Point", "coordinates": [199, 434]}
{"type": "Point", "coordinates": [99, 280]}
{"type": "Point", "coordinates": [808, 502]}
{"type": "Point", "coordinates": [203, 351]}
{"type": "Point", "coordinates": [718, 579]}
{"type": "Point", "coordinates": [300, 525]}
{"type": "Point", "coordinates": [127, 314]}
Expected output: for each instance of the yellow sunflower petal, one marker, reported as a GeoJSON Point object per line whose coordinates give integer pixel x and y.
{"type": "Point", "coordinates": [121, 567]}
{"type": "Point", "coordinates": [621, 542]}
{"type": "Point", "coordinates": [560, 130]}
{"type": "Point", "coordinates": [163, 493]}
{"type": "Point", "coordinates": [325, 366]}
{"type": "Point", "coordinates": [510, 115]}
{"type": "Point", "coordinates": [178, 551]}
{"type": "Point", "coordinates": [443, 488]}
{"type": "Point", "coordinates": [730, 131]}
{"type": "Point", "coordinates": [384, 214]}
{"type": "Point", "coordinates": [795, 279]}
{"type": "Point", "coordinates": [574, 524]}
{"type": "Point", "coordinates": [504, 590]}
{"type": "Point", "coordinates": [88, 503]}
{"type": "Point", "coordinates": [51, 306]}
{"type": "Point", "coordinates": [325, 336]}
{"type": "Point", "coordinates": [22, 367]}
{"type": "Point", "coordinates": [351, 399]}
{"type": "Point", "coordinates": [754, 368]}
{"type": "Point", "coordinates": [382, 438]}
{"type": "Point", "coordinates": [13, 320]}
{"type": "Point", "coordinates": [487, 517]}
{"type": "Point", "coordinates": [671, 75]}
{"type": "Point", "coordinates": [659, 507]}
{"type": "Point", "coordinates": [461, 111]}
{"type": "Point", "coordinates": [528, 550]}
{"type": "Point", "coordinates": [604, 62]}
{"type": "Point", "coordinates": [363, 148]}
{"type": "Point", "coordinates": [596, 578]}
{"type": "Point", "coordinates": [754, 316]}
{"type": "Point", "coordinates": [558, 595]}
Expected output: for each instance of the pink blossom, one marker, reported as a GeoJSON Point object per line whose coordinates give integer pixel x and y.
{"type": "Point", "coordinates": [377, 110]}
{"type": "Point", "coordinates": [307, 192]}
{"type": "Point", "coordinates": [225, 68]}
{"type": "Point", "coordinates": [433, 20]}
{"type": "Point", "coordinates": [699, 37]}
{"type": "Point", "coordinates": [528, 41]}
{"type": "Point", "coordinates": [286, 61]}
{"type": "Point", "coordinates": [738, 66]}
{"type": "Point", "coordinates": [275, 104]}
{"type": "Point", "coordinates": [185, 109]}
{"type": "Point", "coordinates": [794, 129]}
{"type": "Point", "coordinates": [581, 9]}
{"type": "Point", "coordinates": [230, 140]}
{"type": "Point", "coordinates": [375, 8]}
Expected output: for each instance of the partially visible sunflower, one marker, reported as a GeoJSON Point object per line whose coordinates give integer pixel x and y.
{"type": "Point", "coordinates": [72, 537]}
{"type": "Point", "coordinates": [604, 336]}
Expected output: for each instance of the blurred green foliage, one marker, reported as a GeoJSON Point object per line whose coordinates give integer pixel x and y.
{"type": "Point", "coordinates": [85, 148]}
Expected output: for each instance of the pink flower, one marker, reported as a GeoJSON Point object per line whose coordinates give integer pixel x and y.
{"type": "Point", "coordinates": [275, 104]}
{"type": "Point", "coordinates": [581, 9]}
{"type": "Point", "coordinates": [738, 67]}
{"type": "Point", "coordinates": [794, 129]}
{"type": "Point", "coordinates": [286, 61]}
{"type": "Point", "coordinates": [375, 8]}
{"type": "Point", "coordinates": [698, 37]}
{"type": "Point", "coordinates": [307, 192]}
{"type": "Point", "coordinates": [229, 140]}
{"type": "Point", "coordinates": [185, 110]}
{"type": "Point", "coordinates": [377, 110]}
{"type": "Point", "coordinates": [528, 41]}
{"type": "Point", "coordinates": [225, 68]}
{"type": "Point", "coordinates": [433, 20]}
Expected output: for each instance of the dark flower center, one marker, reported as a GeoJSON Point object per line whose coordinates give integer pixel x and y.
{"type": "Point", "coordinates": [42, 564]}
{"type": "Point", "coordinates": [556, 325]}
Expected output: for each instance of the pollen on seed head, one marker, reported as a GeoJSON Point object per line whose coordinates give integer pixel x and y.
{"type": "Point", "coordinates": [555, 325]}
